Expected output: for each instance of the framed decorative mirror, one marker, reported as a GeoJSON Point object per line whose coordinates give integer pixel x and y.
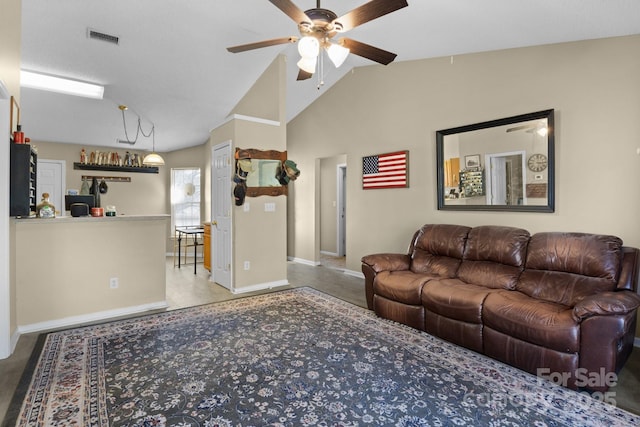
{"type": "Point", "coordinates": [500, 165]}
{"type": "Point", "coordinates": [262, 180]}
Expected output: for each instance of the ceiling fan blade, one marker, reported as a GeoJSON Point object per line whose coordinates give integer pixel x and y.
{"type": "Point", "coordinates": [367, 51]}
{"type": "Point", "coordinates": [303, 75]}
{"type": "Point", "coordinates": [368, 12]}
{"type": "Point", "coordinates": [291, 10]}
{"type": "Point", "coordinates": [264, 43]}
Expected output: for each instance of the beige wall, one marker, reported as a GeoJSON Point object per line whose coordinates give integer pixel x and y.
{"type": "Point", "coordinates": [592, 85]}
{"type": "Point", "coordinates": [10, 45]}
{"type": "Point", "coordinates": [64, 267]}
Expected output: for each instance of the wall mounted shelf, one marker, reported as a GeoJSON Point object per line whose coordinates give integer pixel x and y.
{"type": "Point", "coordinates": [110, 168]}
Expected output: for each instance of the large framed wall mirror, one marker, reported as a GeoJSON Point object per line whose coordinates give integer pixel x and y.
{"type": "Point", "coordinates": [499, 165]}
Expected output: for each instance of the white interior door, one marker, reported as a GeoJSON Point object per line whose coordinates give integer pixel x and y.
{"type": "Point", "coordinates": [51, 179]}
{"type": "Point", "coordinates": [505, 178]}
{"type": "Point", "coordinates": [221, 242]}
{"type": "Point", "coordinates": [498, 186]}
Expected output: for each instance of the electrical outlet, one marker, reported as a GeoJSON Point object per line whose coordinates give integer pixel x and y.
{"type": "Point", "coordinates": [113, 283]}
{"type": "Point", "coordinates": [247, 265]}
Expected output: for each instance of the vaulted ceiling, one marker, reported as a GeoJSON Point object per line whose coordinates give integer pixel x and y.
{"type": "Point", "coordinates": [171, 66]}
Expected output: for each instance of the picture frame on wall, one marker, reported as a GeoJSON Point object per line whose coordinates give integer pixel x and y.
{"type": "Point", "coordinates": [14, 116]}
{"type": "Point", "coordinates": [472, 162]}
{"type": "Point", "coordinates": [389, 170]}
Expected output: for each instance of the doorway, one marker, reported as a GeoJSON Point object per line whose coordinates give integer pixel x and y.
{"type": "Point", "coordinates": [332, 211]}
{"type": "Point", "coordinates": [506, 178]}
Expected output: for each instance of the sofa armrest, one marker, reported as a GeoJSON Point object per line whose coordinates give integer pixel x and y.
{"type": "Point", "coordinates": [606, 303]}
{"type": "Point", "coordinates": [387, 262]}
{"type": "Point", "coordinates": [374, 264]}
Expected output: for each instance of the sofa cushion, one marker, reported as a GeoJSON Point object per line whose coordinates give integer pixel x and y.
{"type": "Point", "coordinates": [455, 299]}
{"type": "Point", "coordinates": [566, 267]}
{"type": "Point", "coordinates": [532, 320]}
{"type": "Point", "coordinates": [494, 256]}
{"type": "Point", "coordinates": [402, 286]}
{"type": "Point", "coordinates": [438, 249]}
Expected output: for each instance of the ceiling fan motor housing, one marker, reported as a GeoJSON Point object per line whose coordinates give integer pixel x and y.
{"type": "Point", "coordinates": [321, 25]}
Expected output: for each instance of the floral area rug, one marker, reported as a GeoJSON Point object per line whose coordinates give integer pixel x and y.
{"type": "Point", "coordinates": [289, 358]}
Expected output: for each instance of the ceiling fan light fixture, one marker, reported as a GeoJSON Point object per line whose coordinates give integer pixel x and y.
{"type": "Point", "coordinates": [337, 54]}
{"type": "Point", "coordinates": [308, 64]}
{"type": "Point", "coordinates": [309, 47]}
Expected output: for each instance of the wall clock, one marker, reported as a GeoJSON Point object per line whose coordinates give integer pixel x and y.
{"type": "Point", "coordinates": [537, 162]}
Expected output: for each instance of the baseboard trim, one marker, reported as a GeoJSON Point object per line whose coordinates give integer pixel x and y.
{"type": "Point", "coordinates": [354, 273]}
{"type": "Point", "coordinates": [304, 261]}
{"type": "Point", "coordinates": [91, 317]}
{"type": "Point", "coordinates": [260, 286]}
{"type": "Point", "coordinates": [328, 253]}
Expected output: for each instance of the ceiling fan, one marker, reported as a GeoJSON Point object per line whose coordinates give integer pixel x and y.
{"type": "Point", "coordinates": [319, 26]}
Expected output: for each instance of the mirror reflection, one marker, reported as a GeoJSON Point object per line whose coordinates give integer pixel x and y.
{"type": "Point", "coordinates": [504, 164]}
{"type": "Point", "coordinates": [263, 173]}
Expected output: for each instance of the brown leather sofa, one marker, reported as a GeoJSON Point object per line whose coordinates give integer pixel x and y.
{"type": "Point", "coordinates": [559, 305]}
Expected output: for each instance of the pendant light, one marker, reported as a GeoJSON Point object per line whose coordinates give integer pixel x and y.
{"type": "Point", "coordinates": [151, 159]}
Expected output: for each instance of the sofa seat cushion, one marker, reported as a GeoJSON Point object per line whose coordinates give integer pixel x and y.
{"type": "Point", "coordinates": [402, 286]}
{"type": "Point", "coordinates": [455, 299]}
{"type": "Point", "coordinates": [540, 322]}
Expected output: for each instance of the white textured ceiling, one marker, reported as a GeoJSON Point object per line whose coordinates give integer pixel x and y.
{"type": "Point", "coordinates": [173, 69]}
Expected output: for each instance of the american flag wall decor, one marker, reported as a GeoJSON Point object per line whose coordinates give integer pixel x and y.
{"type": "Point", "coordinates": [390, 170]}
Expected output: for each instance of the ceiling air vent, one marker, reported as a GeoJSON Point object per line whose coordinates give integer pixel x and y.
{"type": "Point", "coordinates": [97, 35]}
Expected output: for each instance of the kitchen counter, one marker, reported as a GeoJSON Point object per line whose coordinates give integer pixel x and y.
{"type": "Point", "coordinates": [92, 218]}
{"type": "Point", "coordinates": [72, 270]}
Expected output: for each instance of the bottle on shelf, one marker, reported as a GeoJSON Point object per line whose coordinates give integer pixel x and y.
{"type": "Point", "coordinates": [18, 135]}
{"type": "Point", "coordinates": [45, 209]}
{"type": "Point", "coordinates": [84, 189]}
